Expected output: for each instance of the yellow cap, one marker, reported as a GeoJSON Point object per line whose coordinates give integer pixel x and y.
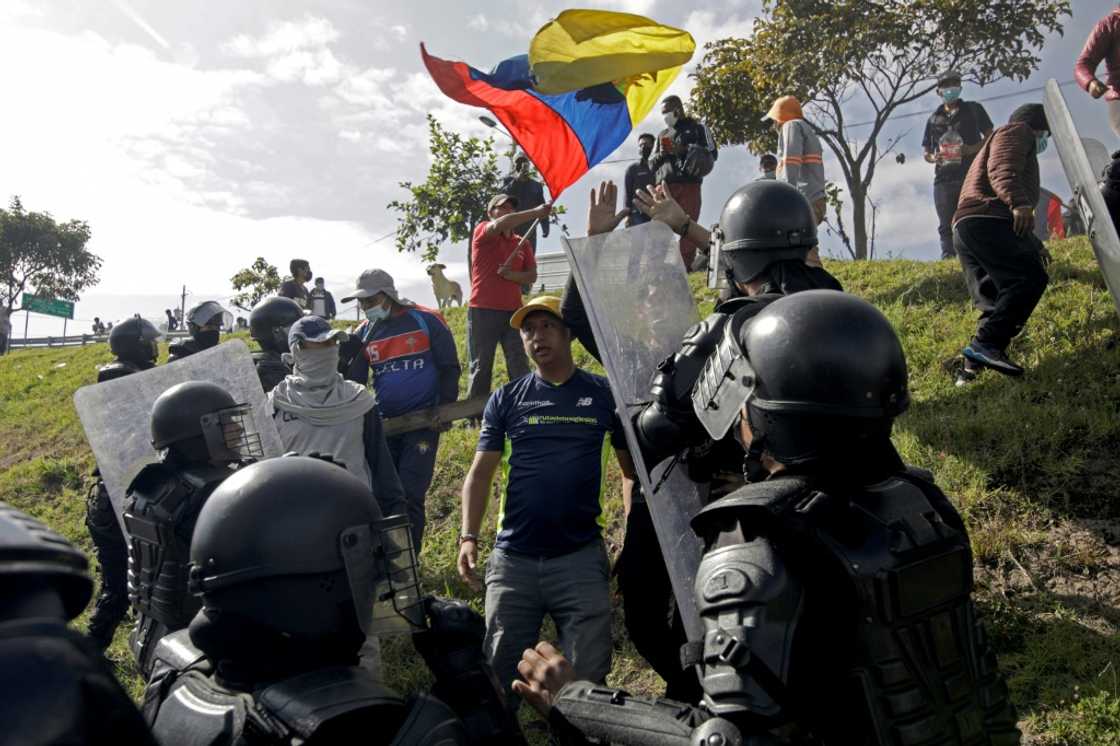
{"type": "Point", "coordinates": [784, 109]}
{"type": "Point", "coordinates": [549, 303]}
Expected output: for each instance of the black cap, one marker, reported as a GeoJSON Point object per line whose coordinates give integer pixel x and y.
{"type": "Point", "coordinates": [1031, 114]}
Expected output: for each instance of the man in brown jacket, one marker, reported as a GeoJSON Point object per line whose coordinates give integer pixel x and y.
{"type": "Point", "coordinates": [993, 230]}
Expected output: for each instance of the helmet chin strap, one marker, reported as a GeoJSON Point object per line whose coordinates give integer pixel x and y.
{"type": "Point", "coordinates": [753, 468]}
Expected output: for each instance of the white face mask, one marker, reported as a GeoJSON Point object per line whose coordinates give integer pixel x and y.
{"type": "Point", "coordinates": [671, 118]}
{"type": "Point", "coordinates": [377, 313]}
{"type": "Point", "coordinates": [317, 366]}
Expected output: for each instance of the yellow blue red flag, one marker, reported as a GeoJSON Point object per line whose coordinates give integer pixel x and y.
{"type": "Point", "coordinates": [566, 131]}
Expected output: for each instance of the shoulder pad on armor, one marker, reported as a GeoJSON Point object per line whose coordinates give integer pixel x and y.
{"type": "Point", "coordinates": [769, 498]}
{"type": "Point", "coordinates": [176, 651]}
{"type": "Point", "coordinates": [919, 473]}
{"type": "Point", "coordinates": [116, 369]}
{"type": "Point", "coordinates": [151, 477]}
{"type": "Point", "coordinates": [201, 475]}
{"type": "Point", "coordinates": [733, 305]}
{"type": "Point", "coordinates": [306, 702]}
{"type": "Point", "coordinates": [430, 722]}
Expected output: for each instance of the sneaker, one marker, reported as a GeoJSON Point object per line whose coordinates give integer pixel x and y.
{"type": "Point", "coordinates": [966, 375]}
{"type": "Point", "coordinates": [992, 358]}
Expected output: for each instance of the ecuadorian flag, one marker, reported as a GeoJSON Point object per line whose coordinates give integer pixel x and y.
{"type": "Point", "coordinates": [604, 72]}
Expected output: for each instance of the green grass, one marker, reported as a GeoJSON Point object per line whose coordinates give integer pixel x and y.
{"type": "Point", "coordinates": [1032, 464]}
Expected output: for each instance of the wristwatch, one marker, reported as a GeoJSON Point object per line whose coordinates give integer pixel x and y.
{"type": "Point", "coordinates": [468, 537]}
{"type": "Point", "coordinates": [683, 230]}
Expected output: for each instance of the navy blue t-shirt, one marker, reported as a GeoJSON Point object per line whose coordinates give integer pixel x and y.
{"type": "Point", "coordinates": [554, 441]}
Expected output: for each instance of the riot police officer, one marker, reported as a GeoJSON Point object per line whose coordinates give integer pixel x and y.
{"type": "Point", "coordinates": [203, 435]}
{"type": "Point", "coordinates": [289, 592]}
{"type": "Point", "coordinates": [204, 322]}
{"type": "Point", "coordinates": [135, 342]}
{"type": "Point", "coordinates": [268, 325]}
{"type": "Point", "coordinates": [56, 687]}
{"type": "Point", "coordinates": [835, 591]}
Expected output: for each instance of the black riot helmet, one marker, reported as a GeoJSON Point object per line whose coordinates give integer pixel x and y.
{"type": "Point", "coordinates": [828, 376]}
{"type": "Point", "coordinates": [762, 223]}
{"type": "Point", "coordinates": [201, 422]}
{"type": "Point", "coordinates": [34, 558]}
{"type": "Point", "coordinates": [265, 537]}
{"type": "Point", "coordinates": [135, 340]}
{"type": "Point", "coordinates": [270, 320]}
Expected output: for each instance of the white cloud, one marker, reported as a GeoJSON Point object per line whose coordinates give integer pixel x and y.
{"type": "Point", "coordinates": [400, 31]}
{"type": "Point", "coordinates": [367, 88]}
{"type": "Point", "coordinates": [285, 37]}
{"type": "Point", "coordinates": [478, 22]}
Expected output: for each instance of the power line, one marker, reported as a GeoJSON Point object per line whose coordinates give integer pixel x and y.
{"type": "Point", "coordinates": [1001, 97]}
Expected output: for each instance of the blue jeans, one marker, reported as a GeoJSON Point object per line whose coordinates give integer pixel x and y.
{"type": "Point", "coordinates": [414, 456]}
{"type": "Point", "coordinates": [574, 589]}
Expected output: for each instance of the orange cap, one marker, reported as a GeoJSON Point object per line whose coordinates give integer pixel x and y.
{"type": "Point", "coordinates": [784, 109]}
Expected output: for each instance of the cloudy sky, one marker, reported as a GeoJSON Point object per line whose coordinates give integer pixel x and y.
{"type": "Point", "coordinates": [195, 137]}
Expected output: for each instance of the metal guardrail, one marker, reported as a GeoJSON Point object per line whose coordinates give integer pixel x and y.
{"type": "Point", "coordinates": [552, 272]}
{"type": "Point", "coordinates": [75, 340]}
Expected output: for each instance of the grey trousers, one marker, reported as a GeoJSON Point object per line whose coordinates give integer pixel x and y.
{"type": "Point", "coordinates": [1114, 116]}
{"type": "Point", "coordinates": [574, 589]}
{"type": "Point", "coordinates": [486, 329]}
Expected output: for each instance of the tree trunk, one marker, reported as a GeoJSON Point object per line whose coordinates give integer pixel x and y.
{"type": "Point", "coordinates": [859, 219]}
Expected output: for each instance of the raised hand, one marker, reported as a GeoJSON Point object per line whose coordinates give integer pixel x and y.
{"type": "Point", "coordinates": [602, 213]}
{"type": "Point", "coordinates": [658, 205]}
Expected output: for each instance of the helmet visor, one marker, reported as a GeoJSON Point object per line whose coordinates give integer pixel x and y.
{"type": "Point", "coordinates": [398, 607]}
{"type": "Point", "coordinates": [231, 434]}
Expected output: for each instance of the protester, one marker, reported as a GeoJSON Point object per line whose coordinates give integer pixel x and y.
{"type": "Point", "coordinates": [993, 226]}
{"type": "Point", "coordinates": [1103, 44]}
{"type": "Point", "coordinates": [800, 158]}
{"type": "Point", "coordinates": [97, 326]}
{"type": "Point", "coordinates": [953, 136]}
{"type": "Point", "coordinates": [529, 193]}
{"type": "Point", "coordinates": [415, 365]}
{"type": "Point", "coordinates": [204, 322]}
{"type": "Point", "coordinates": [639, 177]}
{"type": "Point", "coordinates": [767, 167]}
{"type": "Point", "coordinates": [319, 413]}
{"type": "Point", "coordinates": [172, 322]}
{"type": "Point", "coordinates": [321, 301]}
{"type": "Point", "coordinates": [685, 153]}
{"type": "Point", "coordinates": [500, 266]}
{"type": "Point", "coordinates": [294, 286]}
{"type": "Point", "coordinates": [549, 556]}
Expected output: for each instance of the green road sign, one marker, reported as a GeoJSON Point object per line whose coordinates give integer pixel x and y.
{"type": "Point", "coordinates": [48, 306]}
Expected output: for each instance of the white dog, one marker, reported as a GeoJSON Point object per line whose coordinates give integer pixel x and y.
{"type": "Point", "coordinates": [445, 290]}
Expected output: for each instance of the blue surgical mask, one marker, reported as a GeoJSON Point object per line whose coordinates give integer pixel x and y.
{"type": "Point", "coordinates": [377, 313]}
{"type": "Point", "coordinates": [1042, 142]}
{"type": "Point", "coordinates": [949, 95]}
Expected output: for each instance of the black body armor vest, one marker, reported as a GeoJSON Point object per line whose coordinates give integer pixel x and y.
{"type": "Point", "coordinates": [338, 704]}
{"type": "Point", "coordinates": [270, 369]}
{"type": "Point", "coordinates": [160, 512]}
{"type": "Point", "coordinates": [118, 369]}
{"type": "Point", "coordinates": [847, 615]}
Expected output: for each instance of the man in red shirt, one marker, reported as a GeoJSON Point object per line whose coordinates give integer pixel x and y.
{"type": "Point", "coordinates": [500, 264]}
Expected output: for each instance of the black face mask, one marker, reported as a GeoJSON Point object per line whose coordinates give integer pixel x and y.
{"type": "Point", "coordinates": [644, 151]}
{"type": "Point", "coordinates": [207, 338]}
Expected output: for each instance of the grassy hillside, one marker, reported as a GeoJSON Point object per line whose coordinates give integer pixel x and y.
{"type": "Point", "coordinates": [1032, 464]}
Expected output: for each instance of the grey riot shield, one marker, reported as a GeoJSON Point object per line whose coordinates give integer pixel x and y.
{"type": "Point", "coordinates": [115, 414]}
{"type": "Point", "coordinates": [1083, 181]}
{"type": "Point", "coordinates": [639, 304]}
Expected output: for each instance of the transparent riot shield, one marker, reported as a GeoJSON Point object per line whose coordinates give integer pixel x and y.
{"type": "Point", "coordinates": [1086, 194]}
{"type": "Point", "coordinates": [1097, 154]}
{"type": "Point", "coordinates": [639, 304]}
{"type": "Point", "coordinates": [115, 414]}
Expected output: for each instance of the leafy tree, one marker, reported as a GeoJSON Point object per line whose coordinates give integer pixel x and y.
{"type": "Point", "coordinates": [869, 55]}
{"type": "Point", "coordinates": [452, 200]}
{"type": "Point", "coordinates": [41, 255]}
{"type": "Point", "coordinates": [254, 283]}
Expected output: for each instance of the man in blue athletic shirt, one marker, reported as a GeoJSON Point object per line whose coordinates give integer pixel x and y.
{"type": "Point", "coordinates": [549, 430]}
{"type": "Point", "coordinates": [415, 366]}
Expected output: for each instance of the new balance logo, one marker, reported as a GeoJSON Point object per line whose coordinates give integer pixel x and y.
{"type": "Point", "coordinates": [584, 402]}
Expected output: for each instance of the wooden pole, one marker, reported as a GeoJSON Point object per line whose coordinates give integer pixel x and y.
{"type": "Point", "coordinates": [433, 417]}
